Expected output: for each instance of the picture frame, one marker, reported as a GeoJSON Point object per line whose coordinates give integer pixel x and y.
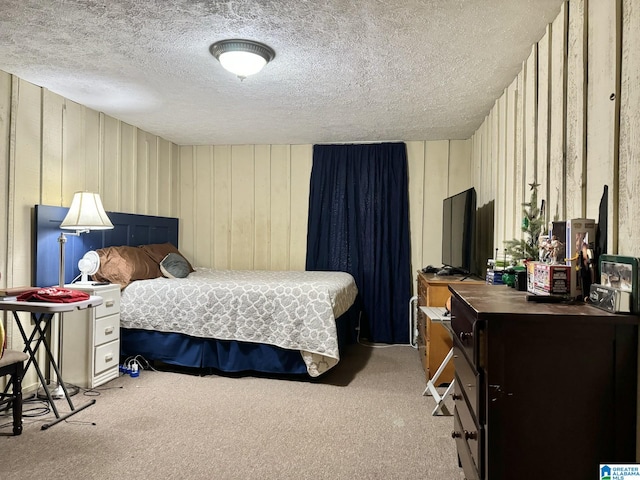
{"type": "Point", "coordinates": [621, 272]}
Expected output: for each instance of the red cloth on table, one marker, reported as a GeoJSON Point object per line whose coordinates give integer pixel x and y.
{"type": "Point", "coordinates": [53, 294]}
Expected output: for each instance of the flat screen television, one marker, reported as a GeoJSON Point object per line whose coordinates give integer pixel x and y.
{"type": "Point", "coordinates": [458, 232]}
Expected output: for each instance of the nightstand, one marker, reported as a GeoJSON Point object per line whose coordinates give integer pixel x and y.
{"type": "Point", "coordinates": [91, 339]}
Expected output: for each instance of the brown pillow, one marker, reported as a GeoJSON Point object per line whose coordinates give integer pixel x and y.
{"type": "Point", "coordinates": [158, 251]}
{"type": "Point", "coordinates": [124, 265]}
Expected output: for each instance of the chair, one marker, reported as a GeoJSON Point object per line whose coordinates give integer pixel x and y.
{"type": "Point", "coordinates": [12, 363]}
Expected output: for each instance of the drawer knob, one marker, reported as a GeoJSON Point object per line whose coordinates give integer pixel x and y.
{"type": "Point", "coordinates": [455, 434]}
{"type": "Point", "coordinates": [109, 303]}
{"type": "Point", "coordinates": [465, 336]}
{"type": "Point", "coordinates": [455, 396]}
{"type": "Point", "coordinates": [470, 435]}
{"type": "Point", "coordinates": [108, 330]}
{"type": "Point", "coordinates": [108, 357]}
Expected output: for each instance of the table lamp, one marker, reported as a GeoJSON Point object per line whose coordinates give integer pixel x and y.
{"type": "Point", "coordinates": [86, 213]}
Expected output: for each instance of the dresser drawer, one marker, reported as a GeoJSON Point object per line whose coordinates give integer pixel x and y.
{"type": "Point", "coordinates": [466, 456]}
{"type": "Point", "coordinates": [106, 356]}
{"type": "Point", "coordinates": [462, 327]}
{"type": "Point", "coordinates": [467, 419]}
{"type": "Point", "coordinates": [466, 380]}
{"type": "Point", "coordinates": [110, 303]}
{"type": "Point", "coordinates": [422, 296]}
{"type": "Point", "coordinates": [107, 329]}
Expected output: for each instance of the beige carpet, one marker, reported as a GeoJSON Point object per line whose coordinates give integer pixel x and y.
{"type": "Point", "coordinates": [365, 419]}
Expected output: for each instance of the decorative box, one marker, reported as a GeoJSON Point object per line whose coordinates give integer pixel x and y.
{"type": "Point", "coordinates": [548, 279]}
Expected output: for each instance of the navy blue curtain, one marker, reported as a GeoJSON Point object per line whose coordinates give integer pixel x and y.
{"type": "Point", "coordinates": [359, 223]}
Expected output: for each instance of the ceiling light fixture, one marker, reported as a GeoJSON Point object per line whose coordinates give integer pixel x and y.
{"type": "Point", "coordinates": [242, 57]}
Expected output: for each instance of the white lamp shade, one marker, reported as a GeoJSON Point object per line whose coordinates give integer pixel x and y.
{"type": "Point", "coordinates": [242, 64]}
{"type": "Point", "coordinates": [86, 213]}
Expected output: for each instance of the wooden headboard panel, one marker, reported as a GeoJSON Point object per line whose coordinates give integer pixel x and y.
{"type": "Point", "coordinates": [129, 229]}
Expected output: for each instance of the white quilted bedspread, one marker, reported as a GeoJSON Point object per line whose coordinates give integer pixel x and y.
{"type": "Point", "coordinates": [290, 309]}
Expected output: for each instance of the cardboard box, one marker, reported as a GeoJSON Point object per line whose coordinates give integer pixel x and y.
{"type": "Point", "coordinates": [580, 232]}
{"type": "Point", "coordinates": [531, 274]}
{"type": "Point", "coordinates": [494, 277]}
{"type": "Point", "coordinates": [548, 279]}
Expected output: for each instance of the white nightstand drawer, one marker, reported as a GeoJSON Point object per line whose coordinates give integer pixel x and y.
{"type": "Point", "coordinates": [107, 329]}
{"type": "Point", "coordinates": [110, 304]}
{"type": "Point", "coordinates": [107, 356]}
{"type": "Point", "coordinates": [91, 338]}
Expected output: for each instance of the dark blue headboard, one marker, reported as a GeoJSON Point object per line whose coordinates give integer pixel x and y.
{"type": "Point", "coordinates": [129, 229]}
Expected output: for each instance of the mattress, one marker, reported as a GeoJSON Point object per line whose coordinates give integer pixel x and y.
{"type": "Point", "coordinates": [294, 310]}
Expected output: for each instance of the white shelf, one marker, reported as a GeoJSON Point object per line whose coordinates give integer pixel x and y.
{"type": "Point", "coordinates": [436, 314]}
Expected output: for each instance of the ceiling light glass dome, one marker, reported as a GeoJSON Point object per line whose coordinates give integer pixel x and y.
{"type": "Point", "coordinates": [242, 57]}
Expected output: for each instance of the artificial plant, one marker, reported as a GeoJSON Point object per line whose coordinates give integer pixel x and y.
{"type": "Point", "coordinates": [532, 223]}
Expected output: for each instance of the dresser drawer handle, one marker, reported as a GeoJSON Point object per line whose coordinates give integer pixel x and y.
{"type": "Point", "coordinates": [465, 335]}
{"type": "Point", "coordinates": [108, 358]}
{"type": "Point", "coordinates": [455, 434]}
{"type": "Point", "coordinates": [455, 396]}
{"type": "Point", "coordinates": [109, 303]}
{"type": "Point", "coordinates": [470, 435]}
{"type": "Point", "coordinates": [108, 330]}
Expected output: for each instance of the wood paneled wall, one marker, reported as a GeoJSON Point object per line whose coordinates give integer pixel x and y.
{"type": "Point", "coordinates": [570, 135]}
{"type": "Point", "coordinates": [51, 147]}
{"type": "Point", "coordinates": [245, 207]}
{"type": "Point", "coordinates": [585, 75]}
{"type": "Point", "coordinates": [629, 140]}
{"type": "Point", "coordinates": [568, 121]}
{"type": "Point", "coordinates": [240, 207]}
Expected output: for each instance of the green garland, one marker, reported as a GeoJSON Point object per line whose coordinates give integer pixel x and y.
{"type": "Point", "coordinates": [532, 224]}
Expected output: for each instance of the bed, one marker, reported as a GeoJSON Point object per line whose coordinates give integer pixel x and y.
{"type": "Point", "coordinates": [273, 322]}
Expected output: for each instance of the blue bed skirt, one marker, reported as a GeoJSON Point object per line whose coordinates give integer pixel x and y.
{"type": "Point", "coordinates": [226, 355]}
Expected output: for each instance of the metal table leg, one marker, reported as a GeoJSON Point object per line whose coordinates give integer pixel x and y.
{"type": "Point", "coordinates": [42, 327]}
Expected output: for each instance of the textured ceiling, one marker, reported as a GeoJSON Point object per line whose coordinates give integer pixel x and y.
{"type": "Point", "coordinates": [345, 70]}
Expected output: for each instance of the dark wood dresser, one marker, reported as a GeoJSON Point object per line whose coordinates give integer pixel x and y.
{"type": "Point", "coordinates": [542, 390]}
